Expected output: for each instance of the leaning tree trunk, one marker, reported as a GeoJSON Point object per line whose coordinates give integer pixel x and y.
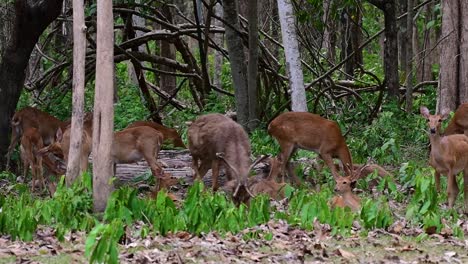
{"type": "Point", "coordinates": [237, 59]}
{"type": "Point", "coordinates": [79, 60]}
{"type": "Point", "coordinates": [292, 53]}
{"type": "Point", "coordinates": [103, 123]}
{"type": "Point", "coordinates": [390, 46]}
{"type": "Point", "coordinates": [253, 64]}
{"type": "Point", "coordinates": [29, 23]}
{"type": "Point", "coordinates": [449, 54]}
{"type": "Point", "coordinates": [167, 82]}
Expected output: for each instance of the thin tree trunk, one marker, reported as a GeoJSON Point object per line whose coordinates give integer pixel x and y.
{"type": "Point", "coordinates": [79, 60]}
{"type": "Point", "coordinates": [218, 57]}
{"type": "Point", "coordinates": [409, 57]}
{"type": "Point", "coordinates": [167, 82]}
{"type": "Point", "coordinates": [390, 46]}
{"type": "Point", "coordinates": [448, 81]}
{"type": "Point", "coordinates": [253, 64]}
{"type": "Point", "coordinates": [292, 53]}
{"type": "Point", "coordinates": [237, 59]}
{"type": "Point", "coordinates": [463, 54]}
{"type": "Point", "coordinates": [402, 35]}
{"type": "Point", "coordinates": [103, 123]}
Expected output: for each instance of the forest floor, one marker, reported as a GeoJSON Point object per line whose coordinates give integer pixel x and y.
{"type": "Point", "coordinates": [274, 242]}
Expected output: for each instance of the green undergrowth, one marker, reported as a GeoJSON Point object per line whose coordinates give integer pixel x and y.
{"type": "Point", "coordinates": [203, 211]}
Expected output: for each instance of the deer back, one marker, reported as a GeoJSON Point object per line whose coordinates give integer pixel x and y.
{"type": "Point", "coordinates": [131, 143]}
{"type": "Point", "coordinates": [214, 133]}
{"type": "Point", "coordinates": [459, 122]}
{"type": "Point", "coordinates": [169, 134]}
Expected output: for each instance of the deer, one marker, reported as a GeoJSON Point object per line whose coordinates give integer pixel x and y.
{"type": "Point", "coordinates": [269, 185]}
{"type": "Point", "coordinates": [61, 145]}
{"type": "Point", "coordinates": [345, 197]}
{"type": "Point", "coordinates": [449, 156]}
{"type": "Point", "coordinates": [169, 134]}
{"type": "Point", "coordinates": [459, 122]}
{"type": "Point", "coordinates": [31, 142]}
{"type": "Point", "coordinates": [309, 131]}
{"type": "Point", "coordinates": [216, 140]}
{"type": "Point", "coordinates": [28, 117]}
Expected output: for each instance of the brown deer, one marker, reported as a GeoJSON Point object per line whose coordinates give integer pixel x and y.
{"type": "Point", "coordinates": [308, 131]}
{"type": "Point", "coordinates": [61, 145]}
{"type": "Point", "coordinates": [28, 117]}
{"type": "Point", "coordinates": [213, 138]}
{"type": "Point", "coordinates": [459, 122]}
{"type": "Point", "coordinates": [449, 156]}
{"type": "Point", "coordinates": [31, 142]}
{"type": "Point", "coordinates": [169, 134]}
{"type": "Point", "coordinates": [345, 196]}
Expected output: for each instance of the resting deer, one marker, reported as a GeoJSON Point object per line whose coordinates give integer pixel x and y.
{"type": "Point", "coordinates": [213, 138]}
{"type": "Point", "coordinates": [28, 117]}
{"type": "Point", "coordinates": [345, 196]}
{"type": "Point", "coordinates": [449, 156]}
{"type": "Point", "coordinates": [308, 131]}
{"type": "Point", "coordinates": [31, 142]}
{"type": "Point", "coordinates": [169, 134]}
{"type": "Point", "coordinates": [459, 122]}
{"type": "Point", "coordinates": [269, 185]}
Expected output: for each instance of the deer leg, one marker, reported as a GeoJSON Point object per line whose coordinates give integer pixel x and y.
{"type": "Point", "coordinates": [205, 165]}
{"type": "Point", "coordinates": [292, 175]}
{"type": "Point", "coordinates": [286, 151]}
{"type": "Point", "coordinates": [465, 189]}
{"type": "Point", "coordinates": [11, 147]}
{"type": "Point", "coordinates": [437, 180]}
{"type": "Point", "coordinates": [40, 173]}
{"type": "Point", "coordinates": [329, 161]}
{"type": "Point", "coordinates": [215, 174]}
{"type": "Point", "coordinates": [452, 188]}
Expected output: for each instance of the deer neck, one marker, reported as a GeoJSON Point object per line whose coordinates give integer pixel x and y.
{"type": "Point", "coordinates": [435, 141]}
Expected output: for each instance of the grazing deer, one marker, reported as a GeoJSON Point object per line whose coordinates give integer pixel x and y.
{"type": "Point", "coordinates": [308, 131]}
{"type": "Point", "coordinates": [459, 122]}
{"type": "Point", "coordinates": [28, 117]}
{"type": "Point", "coordinates": [213, 138]}
{"type": "Point", "coordinates": [169, 134]}
{"type": "Point", "coordinates": [345, 196]}
{"type": "Point", "coordinates": [449, 156]}
{"type": "Point", "coordinates": [61, 145]}
{"type": "Point", "coordinates": [31, 142]}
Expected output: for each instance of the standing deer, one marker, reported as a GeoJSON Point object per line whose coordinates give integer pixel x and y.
{"type": "Point", "coordinates": [28, 117]}
{"type": "Point", "coordinates": [61, 145]}
{"type": "Point", "coordinates": [169, 134]}
{"type": "Point", "coordinates": [449, 156]}
{"type": "Point", "coordinates": [31, 142]}
{"type": "Point", "coordinates": [308, 131]}
{"type": "Point", "coordinates": [459, 122]}
{"type": "Point", "coordinates": [213, 138]}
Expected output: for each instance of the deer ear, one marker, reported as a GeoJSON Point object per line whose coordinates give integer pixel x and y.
{"type": "Point", "coordinates": [59, 135]}
{"type": "Point", "coordinates": [424, 111]}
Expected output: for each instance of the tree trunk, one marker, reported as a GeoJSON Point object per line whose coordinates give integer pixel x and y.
{"type": "Point", "coordinates": [292, 55]}
{"type": "Point", "coordinates": [409, 57]}
{"type": "Point", "coordinates": [463, 53]}
{"type": "Point", "coordinates": [103, 123]}
{"type": "Point", "coordinates": [402, 35]}
{"type": "Point", "coordinates": [327, 31]}
{"type": "Point", "coordinates": [390, 46]}
{"type": "Point", "coordinates": [253, 64]}
{"type": "Point", "coordinates": [79, 60]}
{"type": "Point", "coordinates": [448, 81]}
{"type": "Point", "coordinates": [237, 59]}
{"type": "Point", "coordinates": [140, 22]}
{"type": "Point", "coordinates": [167, 82]}
{"type": "Point", "coordinates": [29, 23]}
{"type": "Point", "coordinates": [218, 56]}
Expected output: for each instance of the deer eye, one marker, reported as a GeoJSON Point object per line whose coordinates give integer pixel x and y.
{"type": "Point", "coordinates": [345, 182]}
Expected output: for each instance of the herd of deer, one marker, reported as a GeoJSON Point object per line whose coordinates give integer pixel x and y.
{"type": "Point", "coordinates": [217, 141]}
